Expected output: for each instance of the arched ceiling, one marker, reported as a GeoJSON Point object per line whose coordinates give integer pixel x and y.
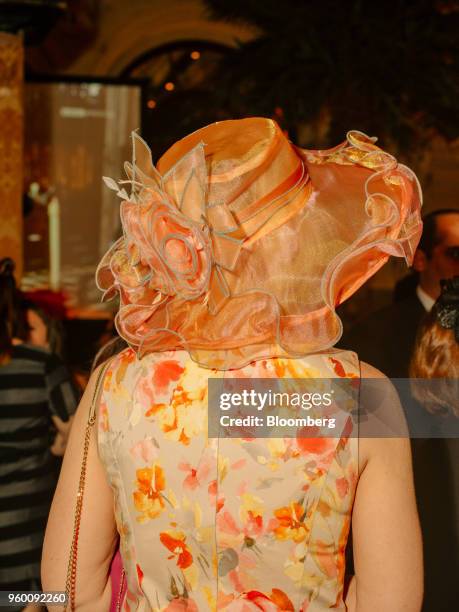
{"type": "Point", "coordinates": [129, 29]}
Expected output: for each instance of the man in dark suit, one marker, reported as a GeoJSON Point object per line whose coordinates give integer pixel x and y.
{"type": "Point", "coordinates": [385, 338]}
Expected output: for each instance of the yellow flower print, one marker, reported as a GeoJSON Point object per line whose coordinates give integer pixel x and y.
{"type": "Point", "coordinates": [251, 512]}
{"type": "Point", "coordinates": [148, 499]}
{"type": "Point", "coordinates": [289, 523]}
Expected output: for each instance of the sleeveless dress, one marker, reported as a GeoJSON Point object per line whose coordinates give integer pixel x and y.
{"type": "Point", "coordinates": [223, 524]}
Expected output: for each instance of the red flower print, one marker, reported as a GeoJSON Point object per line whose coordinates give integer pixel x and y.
{"type": "Point", "coordinates": [315, 446]}
{"type": "Point", "coordinates": [175, 542]}
{"type": "Point", "coordinates": [338, 367]}
{"type": "Point", "coordinates": [213, 491]}
{"type": "Point", "coordinates": [166, 372]}
{"type": "Point", "coordinates": [212, 488]}
{"type": "Point", "coordinates": [260, 600]}
{"type": "Point", "coordinates": [139, 574]}
{"type": "Point", "coordinates": [196, 476]}
{"type": "Point", "coordinates": [277, 601]}
{"type": "Point", "coordinates": [340, 371]}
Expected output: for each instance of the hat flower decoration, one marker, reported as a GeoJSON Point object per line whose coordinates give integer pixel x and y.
{"type": "Point", "coordinates": [166, 247]}
{"type": "Point", "coordinates": [173, 246]}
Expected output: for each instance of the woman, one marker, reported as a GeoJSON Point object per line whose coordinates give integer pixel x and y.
{"type": "Point", "coordinates": [434, 370]}
{"type": "Point", "coordinates": [35, 389]}
{"type": "Point", "coordinates": [45, 330]}
{"type": "Point", "coordinates": [436, 355]}
{"type": "Point", "coordinates": [236, 250]}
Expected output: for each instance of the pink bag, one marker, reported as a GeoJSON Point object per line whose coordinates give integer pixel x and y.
{"type": "Point", "coordinates": [119, 586]}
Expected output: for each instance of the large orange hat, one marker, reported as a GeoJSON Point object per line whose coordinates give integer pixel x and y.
{"type": "Point", "coordinates": [239, 245]}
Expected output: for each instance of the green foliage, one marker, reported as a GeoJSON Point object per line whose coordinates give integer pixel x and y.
{"type": "Point", "coordinates": [388, 68]}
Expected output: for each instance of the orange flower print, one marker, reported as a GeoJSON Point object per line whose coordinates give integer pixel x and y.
{"type": "Point", "coordinates": [148, 498]}
{"type": "Point", "coordinates": [108, 380]}
{"type": "Point", "coordinates": [290, 523]}
{"type": "Point", "coordinates": [154, 409]}
{"type": "Point", "coordinates": [326, 558]}
{"type": "Point", "coordinates": [125, 358]}
{"type": "Point", "coordinates": [175, 542]}
{"type": "Point", "coordinates": [103, 417]}
{"type": "Point", "coordinates": [342, 486]}
{"type": "Point", "coordinates": [282, 601]}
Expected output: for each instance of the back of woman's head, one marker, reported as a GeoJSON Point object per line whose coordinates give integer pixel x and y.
{"type": "Point", "coordinates": [13, 322]}
{"type": "Point", "coordinates": [436, 353]}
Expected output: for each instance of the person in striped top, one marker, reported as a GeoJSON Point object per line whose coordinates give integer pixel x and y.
{"type": "Point", "coordinates": [36, 390]}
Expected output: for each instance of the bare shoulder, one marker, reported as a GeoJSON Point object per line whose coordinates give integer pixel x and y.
{"type": "Point", "coordinates": [369, 371]}
{"type": "Point", "coordinates": [384, 431]}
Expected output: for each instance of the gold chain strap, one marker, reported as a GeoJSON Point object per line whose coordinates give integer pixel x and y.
{"type": "Point", "coordinates": [70, 585]}
{"type": "Point", "coordinates": [120, 592]}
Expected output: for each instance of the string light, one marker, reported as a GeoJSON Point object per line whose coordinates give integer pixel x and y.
{"type": "Point", "coordinates": [169, 86]}
{"type": "Point", "coordinates": [151, 104]}
{"type": "Point", "coordinates": [195, 55]}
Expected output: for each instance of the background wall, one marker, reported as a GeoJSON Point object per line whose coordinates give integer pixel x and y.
{"type": "Point", "coordinates": [11, 122]}
{"type": "Point", "coordinates": [127, 29]}
{"type": "Point", "coordinates": [116, 33]}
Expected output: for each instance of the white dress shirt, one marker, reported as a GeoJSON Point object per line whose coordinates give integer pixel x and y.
{"type": "Point", "coordinates": [425, 298]}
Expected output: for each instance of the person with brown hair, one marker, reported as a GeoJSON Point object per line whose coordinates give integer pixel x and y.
{"type": "Point", "coordinates": [35, 391]}
{"type": "Point", "coordinates": [436, 359]}
{"type": "Point", "coordinates": [436, 353]}
{"type": "Point", "coordinates": [236, 249]}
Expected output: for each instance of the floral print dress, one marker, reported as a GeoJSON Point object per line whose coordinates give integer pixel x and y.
{"type": "Point", "coordinates": [223, 524]}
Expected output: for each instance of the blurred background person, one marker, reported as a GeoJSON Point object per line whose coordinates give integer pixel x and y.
{"type": "Point", "coordinates": [386, 337]}
{"type": "Point", "coordinates": [436, 356]}
{"type": "Point", "coordinates": [35, 389]}
{"type": "Point", "coordinates": [45, 314]}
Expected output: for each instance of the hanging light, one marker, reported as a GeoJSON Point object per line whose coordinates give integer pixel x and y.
{"type": "Point", "coordinates": [169, 86]}
{"type": "Point", "coordinates": [195, 55]}
{"type": "Point", "coordinates": [151, 103]}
